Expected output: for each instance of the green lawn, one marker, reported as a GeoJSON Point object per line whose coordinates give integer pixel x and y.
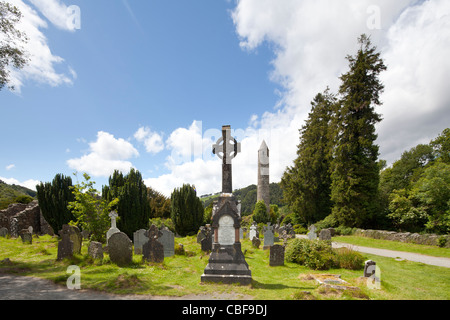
{"type": "Point", "coordinates": [180, 275]}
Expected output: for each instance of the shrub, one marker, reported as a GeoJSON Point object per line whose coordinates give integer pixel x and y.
{"type": "Point", "coordinates": [319, 255]}
{"type": "Point", "coordinates": [186, 210]}
{"type": "Point", "coordinates": [316, 255]}
{"type": "Point", "coordinates": [299, 229]}
{"type": "Point", "coordinates": [348, 259]}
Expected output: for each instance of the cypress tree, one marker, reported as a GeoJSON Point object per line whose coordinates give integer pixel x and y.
{"type": "Point", "coordinates": [355, 171]}
{"type": "Point", "coordinates": [186, 210]}
{"type": "Point", "coordinates": [133, 206]}
{"type": "Point", "coordinates": [53, 200]}
{"type": "Point", "coordinates": [306, 185]}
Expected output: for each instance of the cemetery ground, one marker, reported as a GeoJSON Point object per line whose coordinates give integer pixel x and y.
{"type": "Point", "coordinates": [179, 275]}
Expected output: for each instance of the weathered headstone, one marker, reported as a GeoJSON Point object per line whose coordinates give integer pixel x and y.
{"type": "Point", "coordinates": [201, 234]}
{"type": "Point", "coordinates": [153, 250]}
{"type": "Point", "coordinates": [85, 234]}
{"type": "Point", "coordinates": [369, 268]}
{"type": "Point", "coordinates": [227, 233]}
{"type": "Point", "coordinates": [325, 235]}
{"type": "Point", "coordinates": [139, 239]}
{"type": "Point", "coordinates": [113, 215]}
{"type": "Point", "coordinates": [167, 239]}
{"type": "Point", "coordinates": [253, 231]}
{"type": "Point", "coordinates": [95, 250]}
{"type": "Point", "coordinates": [268, 237]}
{"type": "Point", "coordinates": [241, 234]}
{"type": "Point", "coordinates": [312, 235]}
{"type": "Point", "coordinates": [77, 238]}
{"type": "Point", "coordinates": [14, 228]}
{"type": "Point", "coordinates": [256, 242]}
{"type": "Point", "coordinates": [206, 243]}
{"type": "Point", "coordinates": [26, 236]}
{"type": "Point", "coordinates": [120, 249]}
{"type": "Point", "coordinates": [65, 246]}
{"type": "Point", "coordinates": [276, 255]}
{"type": "Point", "coordinates": [4, 232]}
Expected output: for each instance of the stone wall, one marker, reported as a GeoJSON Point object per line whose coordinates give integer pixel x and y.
{"type": "Point", "coordinates": [408, 237]}
{"type": "Point", "coordinates": [26, 215]}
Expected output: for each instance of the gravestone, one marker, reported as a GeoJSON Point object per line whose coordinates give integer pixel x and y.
{"type": "Point", "coordinates": [95, 250]}
{"type": "Point", "coordinates": [77, 239]}
{"type": "Point", "coordinates": [268, 237]}
{"type": "Point", "coordinates": [369, 268]}
{"type": "Point", "coordinates": [65, 246]}
{"type": "Point", "coordinates": [276, 255]}
{"type": "Point", "coordinates": [120, 249]}
{"type": "Point", "coordinates": [85, 234]}
{"type": "Point", "coordinates": [325, 235]}
{"type": "Point", "coordinates": [206, 243]}
{"type": "Point", "coordinates": [201, 234]}
{"type": "Point", "coordinates": [256, 242]}
{"type": "Point", "coordinates": [241, 234]}
{"type": "Point", "coordinates": [113, 215]}
{"type": "Point", "coordinates": [167, 239]}
{"type": "Point", "coordinates": [226, 262]}
{"type": "Point", "coordinates": [14, 228]}
{"type": "Point", "coordinates": [153, 250]}
{"type": "Point", "coordinates": [139, 239]}
{"type": "Point", "coordinates": [4, 232]}
{"type": "Point", "coordinates": [312, 235]}
{"type": "Point", "coordinates": [253, 231]}
{"type": "Point", "coordinates": [26, 236]}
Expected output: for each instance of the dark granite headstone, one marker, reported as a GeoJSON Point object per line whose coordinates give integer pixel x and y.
{"type": "Point", "coordinates": [276, 255]}
{"type": "Point", "coordinates": [153, 250]}
{"type": "Point", "coordinates": [65, 246]}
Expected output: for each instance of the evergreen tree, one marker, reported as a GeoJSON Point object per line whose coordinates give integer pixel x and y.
{"type": "Point", "coordinates": [186, 210]}
{"type": "Point", "coordinates": [133, 206]}
{"type": "Point", "coordinates": [355, 171]}
{"type": "Point", "coordinates": [53, 200]}
{"type": "Point", "coordinates": [306, 185]}
{"type": "Point", "coordinates": [260, 214]}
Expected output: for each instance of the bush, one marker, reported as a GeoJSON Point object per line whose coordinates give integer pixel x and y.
{"type": "Point", "coordinates": [299, 229]}
{"type": "Point", "coordinates": [316, 255]}
{"type": "Point", "coordinates": [186, 210]}
{"type": "Point", "coordinates": [348, 259]}
{"type": "Point", "coordinates": [319, 255]}
{"type": "Point", "coordinates": [344, 231]}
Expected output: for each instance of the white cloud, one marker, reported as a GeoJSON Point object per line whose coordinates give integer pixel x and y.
{"type": "Point", "coordinates": [153, 141]}
{"type": "Point", "coordinates": [311, 39]}
{"type": "Point", "coordinates": [10, 167]}
{"type": "Point", "coordinates": [30, 184]}
{"type": "Point", "coordinates": [106, 155]}
{"type": "Point", "coordinates": [56, 12]}
{"type": "Point", "coordinates": [41, 67]}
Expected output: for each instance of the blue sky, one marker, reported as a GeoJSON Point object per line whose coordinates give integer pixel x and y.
{"type": "Point", "coordinates": [149, 84]}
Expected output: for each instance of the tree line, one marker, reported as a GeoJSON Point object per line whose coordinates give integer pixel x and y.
{"type": "Point", "coordinates": [80, 204]}
{"type": "Point", "coordinates": [337, 175]}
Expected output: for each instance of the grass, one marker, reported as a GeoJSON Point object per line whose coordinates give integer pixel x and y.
{"type": "Point", "coordinates": [180, 275]}
{"type": "Point", "coordinates": [394, 245]}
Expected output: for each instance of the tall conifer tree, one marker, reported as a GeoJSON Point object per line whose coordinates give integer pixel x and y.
{"type": "Point", "coordinates": [306, 185]}
{"type": "Point", "coordinates": [355, 171]}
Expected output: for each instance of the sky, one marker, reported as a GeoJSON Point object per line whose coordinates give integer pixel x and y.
{"type": "Point", "coordinates": [148, 84]}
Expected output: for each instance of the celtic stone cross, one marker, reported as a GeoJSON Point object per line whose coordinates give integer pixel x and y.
{"type": "Point", "coordinates": [226, 148]}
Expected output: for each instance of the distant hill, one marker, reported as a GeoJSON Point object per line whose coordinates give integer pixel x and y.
{"type": "Point", "coordinates": [247, 196]}
{"type": "Point", "coordinates": [9, 194]}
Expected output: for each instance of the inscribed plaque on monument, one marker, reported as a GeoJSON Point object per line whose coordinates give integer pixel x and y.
{"type": "Point", "coordinates": [226, 230]}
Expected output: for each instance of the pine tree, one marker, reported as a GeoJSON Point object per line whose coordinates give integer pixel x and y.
{"type": "Point", "coordinates": [53, 200]}
{"type": "Point", "coordinates": [186, 210]}
{"type": "Point", "coordinates": [355, 171]}
{"type": "Point", "coordinates": [306, 185]}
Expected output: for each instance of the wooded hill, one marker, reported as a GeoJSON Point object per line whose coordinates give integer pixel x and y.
{"type": "Point", "coordinates": [13, 193]}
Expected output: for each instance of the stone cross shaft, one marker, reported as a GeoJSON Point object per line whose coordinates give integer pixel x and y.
{"type": "Point", "coordinates": [113, 215]}
{"type": "Point", "coordinates": [226, 149]}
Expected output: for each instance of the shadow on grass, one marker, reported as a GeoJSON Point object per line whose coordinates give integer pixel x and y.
{"type": "Point", "coordinates": [278, 286]}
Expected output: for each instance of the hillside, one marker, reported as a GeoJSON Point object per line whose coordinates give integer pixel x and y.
{"type": "Point", "coordinates": [9, 193]}
{"type": "Point", "coordinates": [247, 196]}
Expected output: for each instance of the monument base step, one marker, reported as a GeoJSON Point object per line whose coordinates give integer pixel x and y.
{"type": "Point", "coordinates": [243, 280]}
